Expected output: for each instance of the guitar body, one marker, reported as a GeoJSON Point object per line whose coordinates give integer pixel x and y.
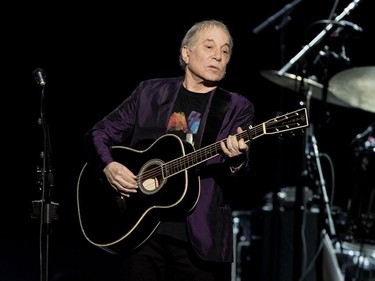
{"type": "Point", "coordinates": [119, 224]}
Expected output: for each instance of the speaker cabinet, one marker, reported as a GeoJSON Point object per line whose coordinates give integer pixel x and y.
{"type": "Point", "coordinates": [283, 257]}
{"type": "Point", "coordinates": [246, 246]}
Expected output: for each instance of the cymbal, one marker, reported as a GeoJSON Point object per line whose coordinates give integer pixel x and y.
{"type": "Point", "coordinates": [294, 82]}
{"type": "Point", "coordinates": [355, 86]}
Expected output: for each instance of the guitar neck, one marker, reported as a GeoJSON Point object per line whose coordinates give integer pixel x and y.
{"type": "Point", "coordinates": [287, 122]}
{"type": "Point", "coordinates": [205, 153]}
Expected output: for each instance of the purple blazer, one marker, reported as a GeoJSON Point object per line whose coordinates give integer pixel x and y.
{"type": "Point", "coordinates": [143, 116]}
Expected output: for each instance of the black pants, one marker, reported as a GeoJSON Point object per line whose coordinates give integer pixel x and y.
{"type": "Point", "coordinates": [163, 258]}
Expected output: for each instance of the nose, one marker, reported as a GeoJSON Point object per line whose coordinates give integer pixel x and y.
{"type": "Point", "coordinates": [218, 55]}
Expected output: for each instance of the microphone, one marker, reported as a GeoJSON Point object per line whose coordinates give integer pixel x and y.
{"type": "Point", "coordinates": [346, 29]}
{"type": "Point", "coordinates": [40, 76]}
{"type": "Point", "coordinates": [369, 130]}
{"type": "Point", "coordinates": [354, 26]}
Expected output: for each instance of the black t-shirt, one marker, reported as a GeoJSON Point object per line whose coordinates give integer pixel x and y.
{"type": "Point", "coordinates": [187, 115]}
{"type": "Point", "coordinates": [184, 122]}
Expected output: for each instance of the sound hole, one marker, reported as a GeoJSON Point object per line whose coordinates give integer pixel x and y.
{"type": "Point", "coordinates": [150, 178]}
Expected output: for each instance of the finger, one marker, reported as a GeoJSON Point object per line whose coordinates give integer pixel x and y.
{"type": "Point", "coordinates": [232, 143]}
{"type": "Point", "coordinates": [226, 148]}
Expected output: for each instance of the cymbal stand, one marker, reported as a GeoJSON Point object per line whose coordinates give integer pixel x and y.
{"type": "Point", "coordinates": [44, 209]}
{"type": "Point", "coordinates": [299, 244]}
{"type": "Point", "coordinates": [311, 152]}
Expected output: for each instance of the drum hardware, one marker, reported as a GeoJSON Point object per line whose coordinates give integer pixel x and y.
{"type": "Point", "coordinates": [356, 249]}
{"type": "Point", "coordinates": [356, 261]}
{"type": "Point", "coordinates": [364, 142]}
{"type": "Point", "coordinates": [334, 95]}
{"type": "Point", "coordinates": [362, 230]}
{"type": "Point", "coordinates": [361, 207]}
{"type": "Point", "coordinates": [331, 270]}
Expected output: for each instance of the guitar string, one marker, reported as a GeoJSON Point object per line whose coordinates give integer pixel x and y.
{"type": "Point", "coordinates": [194, 157]}
{"type": "Point", "coordinates": [203, 154]}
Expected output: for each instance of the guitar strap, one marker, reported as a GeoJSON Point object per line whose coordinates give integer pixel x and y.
{"type": "Point", "coordinates": [219, 105]}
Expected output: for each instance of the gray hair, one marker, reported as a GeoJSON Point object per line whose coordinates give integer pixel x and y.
{"type": "Point", "coordinates": [190, 37]}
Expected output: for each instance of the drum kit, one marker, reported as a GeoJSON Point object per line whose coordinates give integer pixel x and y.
{"type": "Point", "coordinates": [353, 88]}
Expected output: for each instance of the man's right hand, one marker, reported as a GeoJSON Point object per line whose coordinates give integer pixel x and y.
{"type": "Point", "coordinates": [121, 178]}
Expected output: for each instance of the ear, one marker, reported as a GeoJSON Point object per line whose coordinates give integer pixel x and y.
{"type": "Point", "coordinates": [185, 54]}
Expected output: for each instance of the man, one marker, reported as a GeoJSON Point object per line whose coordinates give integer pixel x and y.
{"type": "Point", "coordinates": [193, 242]}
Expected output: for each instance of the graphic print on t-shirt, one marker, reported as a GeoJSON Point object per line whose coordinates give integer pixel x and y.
{"type": "Point", "coordinates": [180, 126]}
{"type": "Point", "coordinates": [194, 120]}
{"type": "Point", "coordinates": [177, 122]}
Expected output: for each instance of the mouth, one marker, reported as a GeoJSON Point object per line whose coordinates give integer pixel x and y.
{"type": "Point", "coordinates": [215, 68]}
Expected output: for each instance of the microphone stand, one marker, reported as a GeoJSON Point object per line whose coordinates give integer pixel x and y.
{"type": "Point", "coordinates": [45, 209]}
{"type": "Point", "coordinates": [315, 153]}
{"type": "Point", "coordinates": [317, 38]}
{"type": "Point", "coordinates": [287, 8]}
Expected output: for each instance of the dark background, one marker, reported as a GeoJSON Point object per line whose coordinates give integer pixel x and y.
{"type": "Point", "coordinates": [94, 56]}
